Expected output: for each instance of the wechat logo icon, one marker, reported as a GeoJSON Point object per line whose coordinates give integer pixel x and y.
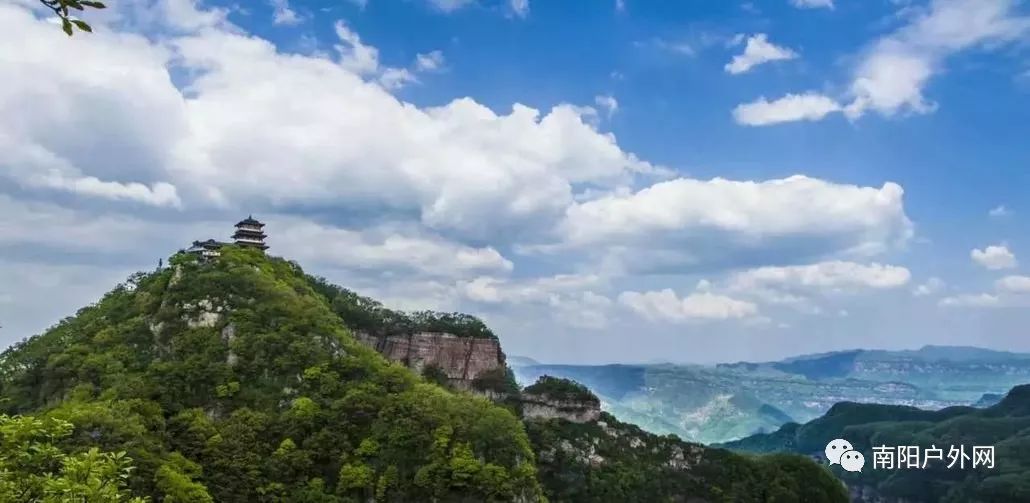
{"type": "Point", "coordinates": [841, 452]}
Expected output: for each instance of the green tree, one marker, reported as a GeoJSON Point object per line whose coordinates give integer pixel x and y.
{"type": "Point", "coordinates": [34, 468]}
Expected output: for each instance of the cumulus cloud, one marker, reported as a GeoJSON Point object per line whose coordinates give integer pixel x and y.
{"type": "Point", "coordinates": [403, 251]}
{"type": "Point", "coordinates": [994, 257]}
{"type": "Point", "coordinates": [283, 14]}
{"type": "Point", "coordinates": [424, 206]}
{"type": "Point", "coordinates": [801, 286]}
{"type": "Point", "coordinates": [355, 55]}
{"type": "Point", "coordinates": [931, 287]}
{"type": "Point", "coordinates": [687, 223]}
{"type": "Point", "coordinates": [665, 305]}
{"type": "Point", "coordinates": [1010, 291]}
{"type": "Point", "coordinates": [833, 275]}
{"type": "Point", "coordinates": [893, 72]}
{"type": "Point", "coordinates": [344, 141]}
{"type": "Point", "coordinates": [972, 300]}
{"type": "Point", "coordinates": [571, 299]}
{"type": "Point", "coordinates": [757, 51]}
{"type": "Point", "coordinates": [809, 106]}
{"type": "Point", "coordinates": [1013, 284]}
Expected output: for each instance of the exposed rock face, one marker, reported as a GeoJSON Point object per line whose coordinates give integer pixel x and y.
{"type": "Point", "coordinates": [462, 359]}
{"type": "Point", "coordinates": [228, 336]}
{"type": "Point", "coordinates": [577, 411]}
{"type": "Point", "coordinates": [204, 314]}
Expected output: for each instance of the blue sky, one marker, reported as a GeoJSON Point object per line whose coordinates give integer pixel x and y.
{"type": "Point", "coordinates": [601, 181]}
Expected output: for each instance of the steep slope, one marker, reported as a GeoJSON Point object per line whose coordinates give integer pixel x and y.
{"type": "Point", "coordinates": [587, 455]}
{"type": "Point", "coordinates": [236, 379]}
{"type": "Point", "coordinates": [1005, 425]}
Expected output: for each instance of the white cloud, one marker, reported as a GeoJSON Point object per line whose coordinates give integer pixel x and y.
{"type": "Point", "coordinates": [450, 5]}
{"type": "Point", "coordinates": [429, 62]}
{"type": "Point", "coordinates": [32, 166]}
{"type": "Point", "coordinates": [758, 51]}
{"type": "Point", "coordinates": [355, 56]}
{"type": "Point", "coordinates": [620, 5]}
{"type": "Point", "coordinates": [1013, 284]}
{"type": "Point", "coordinates": [414, 204]}
{"type": "Point", "coordinates": [42, 226]}
{"type": "Point", "coordinates": [496, 290]}
{"type": "Point", "coordinates": [801, 286]}
{"type": "Point", "coordinates": [396, 78]}
{"type": "Point", "coordinates": [792, 107]}
{"type": "Point", "coordinates": [695, 223]}
{"type": "Point", "coordinates": [999, 211]}
{"type": "Point", "coordinates": [519, 7]}
{"type": "Point", "coordinates": [977, 300]}
{"type": "Point", "coordinates": [282, 13]}
{"type": "Point", "coordinates": [893, 72]}
{"type": "Point", "coordinates": [608, 103]}
{"type": "Point", "coordinates": [994, 257]}
{"type": "Point", "coordinates": [665, 305]}
{"type": "Point", "coordinates": [345, 141]}
{"type": "Point", "coordinates": [395, 250]}
{"type": "Point", "coordinates": [896, 69]}
{"type": "Point", "coordinates": [833, 275]}
{"type": "Point", "coordinates": [570, 299]}
{"type": "Point", "coordinates": [931, 287]}
{"type": "Point", "coordinates": [1010, 291]}
{"type": "Point", "coordinates": [812, 4]}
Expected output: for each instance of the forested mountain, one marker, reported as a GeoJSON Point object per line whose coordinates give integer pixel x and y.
{"type": "Point", "coordinates": [1005, 426]}
{"type": "Point", "coordinates": [237, 379]}
{"type": "Point", "coordinates": [719, 403]}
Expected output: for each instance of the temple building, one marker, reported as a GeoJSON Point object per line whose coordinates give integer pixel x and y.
{"type": "Point", "coordinates": [249, 233]}
{"type": "Point", "coordinates": [206, 249]}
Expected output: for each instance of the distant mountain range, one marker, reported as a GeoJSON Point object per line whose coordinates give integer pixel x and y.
{"type": "Point", "coordinates": [718, 403]}
{"type": "Point", "coordinates": [1005, 426]}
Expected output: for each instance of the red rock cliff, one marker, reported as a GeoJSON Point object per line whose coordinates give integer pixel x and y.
{"type": "Point", "coordinates": [461, 358]}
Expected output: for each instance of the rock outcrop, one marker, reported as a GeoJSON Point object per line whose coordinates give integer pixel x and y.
{"type": "Point", "coordinates": [551, 398]}
{"type": "Point", "coordinates": [537, 407]}
{"type": "Point", "coordinates": [461, 359]}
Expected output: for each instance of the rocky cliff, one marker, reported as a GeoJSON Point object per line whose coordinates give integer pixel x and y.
{"type": "Point", "coordinates": [551, 398]}
{"type": "Point", "coordinates": [461, 359]}
{"type": "Point", "coordinates": [538, 407]}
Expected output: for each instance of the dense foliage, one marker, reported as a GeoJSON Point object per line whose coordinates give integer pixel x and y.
{"type": "Point", "coordinates": [369, 315]}
{"type": "Point", "coordinates": [33, 468]}
{"type": "Point", "coordinates": [555, 388]}
{"type": "Point", "coordinates": [1005, 425]}
{"type": "Point", "coordinates": [237, 380]}
{"type": "Point", "coordinates": [610, 461]}
{"type": "Point", "coordinates": [233, 381]}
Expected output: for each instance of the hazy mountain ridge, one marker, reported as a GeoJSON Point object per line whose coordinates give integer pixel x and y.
{"type": "Point", "coordinates": [1004, 425]}
{"type": "Point", "coordinates": [733, 400]}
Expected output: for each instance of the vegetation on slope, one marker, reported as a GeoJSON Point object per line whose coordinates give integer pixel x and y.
{"type": "Point", "coordinates": [237, 380]}
{"type": "Point", "coordinates": [554, 388]}
{"type": "Point", "coordinates": [369, 315]}
{"type": "Point", "coordinates": [274, 401]}
{"type": "Point", "coordinates": [611, 461]}
{"type": "Point", "coordinates": [1005, 425]}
